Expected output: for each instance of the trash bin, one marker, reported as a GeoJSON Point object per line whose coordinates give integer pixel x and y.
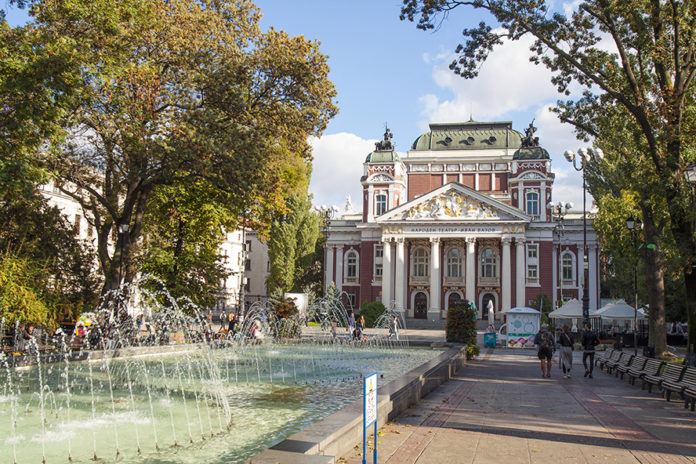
{"type": "Point", "coordinates": [489, 340]}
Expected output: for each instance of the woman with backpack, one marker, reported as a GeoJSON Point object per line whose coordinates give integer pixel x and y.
{"type": "Point", "coordinates": [546, 346]}
{"type": "Point", "coordinates": [566, 357]}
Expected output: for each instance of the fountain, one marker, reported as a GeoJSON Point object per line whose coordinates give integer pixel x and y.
{"type": "Point", "coordinates": [193, 399]}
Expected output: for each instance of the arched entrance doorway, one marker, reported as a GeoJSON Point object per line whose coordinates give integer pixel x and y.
{"type": "Point", "coordinates": [452, 299]}
{"type": "Point", "coordinates": [420, 306]}
{"type": "Point", "coordinates": [484, 305]}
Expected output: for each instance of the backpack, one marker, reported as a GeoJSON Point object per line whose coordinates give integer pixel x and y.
{"type": "Point", "coordinates": [544, 339]}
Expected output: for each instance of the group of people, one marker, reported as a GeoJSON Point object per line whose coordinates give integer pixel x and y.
{"type": "Point", "coordinates": [546, 345]}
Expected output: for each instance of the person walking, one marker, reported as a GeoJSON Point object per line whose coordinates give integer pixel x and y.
{"type": "Point", "coordinates": [351, 322]}
{"type": "Point", "coordinates": [589, 341]}
{"type": "Point", "coordinates": [223, 319]}
{"type": "Point", "coordinates": [394, 327]}
{"type": "Point", "coordinates": [566, 351]}
{"type": "Point", "coordinates": [545, 348]}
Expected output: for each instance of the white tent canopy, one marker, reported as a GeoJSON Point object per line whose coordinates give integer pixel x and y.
{"type": "Point", "coordinates": [522, 310]}
{"type": "Point", "coordinates": [618, 310]}
{"type": "Point", "coordinates": [571, 310]}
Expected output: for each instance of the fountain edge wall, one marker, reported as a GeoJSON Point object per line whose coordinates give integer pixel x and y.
{"type": "Point", "coordinates": [337, 434]}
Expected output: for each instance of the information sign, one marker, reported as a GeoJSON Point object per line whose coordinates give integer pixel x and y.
{"type": "Point", "coordinates": [369, 412]}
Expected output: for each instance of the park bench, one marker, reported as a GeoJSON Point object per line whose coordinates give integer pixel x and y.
{"type": "Point", "coordinates": [652, 367]}
{"type": "Point", "coordinates": [613, 357]}
{"type": "Point", "coordinates": [624, 359]}
{"type": "Point", "coordinates": [688, 379]}
{"type": "Point", "coordinates": [604, 356]}
{"type": "Point", "coordinates": [672, 372]}
{"type": "Point", "coordinates": [690, 396]}
{"type": "Point", "coordinates": [637, 363]}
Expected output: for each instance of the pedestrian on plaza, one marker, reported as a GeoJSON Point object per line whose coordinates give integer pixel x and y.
{"type": "Point", "coordinates": [394, 327]}
{"type": "Point", "coordinates": [361, 325]}
{"type": "Point", "coordinates": [566, 351]}
{"type": "Point", "coordinates": [223, 319]}
{"type": "Point", "coordinates": [351, 322]}
{"type": "Point", "coordinates": [232, 327]}
{"type": "Point", "coordinates": [589, 341]}
{"type": "Point", "coordinates": [545, 348]}
{"type": "Point", "coordinates": [334, 325]}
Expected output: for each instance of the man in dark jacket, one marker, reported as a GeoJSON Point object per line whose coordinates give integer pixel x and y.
{"type": "Point", "coordinates": [589, 341]}
{"type": "Point", "coordinates": [546, 345]}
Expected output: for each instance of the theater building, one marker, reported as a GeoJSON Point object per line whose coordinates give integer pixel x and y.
{"type": "Point", "coordinates": [462, 215]}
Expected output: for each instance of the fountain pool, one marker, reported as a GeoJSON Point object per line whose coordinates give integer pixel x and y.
{"type": "Point", "coordinates": [204, 404]}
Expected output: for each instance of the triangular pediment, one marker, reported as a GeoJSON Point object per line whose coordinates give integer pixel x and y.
{"type": "Point", "coordinates": [454, 202]}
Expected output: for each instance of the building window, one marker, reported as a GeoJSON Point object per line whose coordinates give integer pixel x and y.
{"type": "Point", "coordinates": [380, 204]}
{"type": "Point", "coordinates": [90, 231]}
{"type": "Point", "coordinates": [489, 263]}
{"type": "Point", "coordinates": [351, 265]}
{"type": "Point", "coordinates": [454, 263]}
{"type": "Point", "coordinates": [248, 246]}
{"type": "Point", "coordinates": [533, 204]}
{"type": "Point", "coordinates": [568, 267]}
{"type": "Point", "coordinates": [247, 265]}
{"type": "Point", "coordinates": [379, 253]}
{"type": "Point", "coordinates": [533, 262]}
{"type": "Point", "coordinates": [78, 219]}
{"type": "Point", "coordinates": [247, 285]}
{"type": "Point", "coordinates": [421, 262]}
{"type": "Point", "coordinates": [350, 298]}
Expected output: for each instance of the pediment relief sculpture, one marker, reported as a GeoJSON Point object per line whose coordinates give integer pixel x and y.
{"type": "Point", "coordinates": [451, 205]}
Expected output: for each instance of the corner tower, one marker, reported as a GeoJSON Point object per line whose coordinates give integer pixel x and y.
{"type": "Point", "coordinates": [383, 180]}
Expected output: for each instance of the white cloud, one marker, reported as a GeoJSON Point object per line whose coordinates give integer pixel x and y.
{"type": "Point", "coordinates": [337, 168]}
{"type": "Point", "coordinates": [507, 82]}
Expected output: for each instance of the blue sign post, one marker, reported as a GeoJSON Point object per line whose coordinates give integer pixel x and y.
{"type": "Point", "coordinates": [369, 412]}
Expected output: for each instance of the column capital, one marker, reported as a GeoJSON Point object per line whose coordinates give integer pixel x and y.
{"type": "Point", "coordinates": [400, 240]}
{"type": "Point", "coordinates": [387, 239]}
{"type": "Point", "coordinates": [434, 239]}
{"type": "Point", "coordinates": [520, 241]}
{"type": "Point", "coordinates": [470, 239]}
{"type": "Point", "coordinates": [506, 240]}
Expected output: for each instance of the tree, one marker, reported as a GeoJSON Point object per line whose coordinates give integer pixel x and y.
{"type": "Point", "coordinates": [184, 228]}
{"type": "Point", "coordinates": [648, 74]}
{"type": "Point", "coordinates": [292, 247]}
{"type": "Point", "coordinates": [172, 92]}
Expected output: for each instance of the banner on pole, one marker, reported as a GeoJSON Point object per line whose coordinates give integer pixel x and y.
{"type": "Point", "coordinates": [370, 399]}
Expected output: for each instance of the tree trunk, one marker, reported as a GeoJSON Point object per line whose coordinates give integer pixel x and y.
{"type": "Point", "coordinates": [690, 282]}
{"type": "Point", "coordinates": [655, 284]}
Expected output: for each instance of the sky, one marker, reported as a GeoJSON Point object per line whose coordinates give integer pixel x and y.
{"type": "Point", "coordinates": [387, 71]}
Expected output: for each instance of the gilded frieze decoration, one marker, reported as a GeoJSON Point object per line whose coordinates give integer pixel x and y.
{"type": "Point", "coordinates": [451, 205]}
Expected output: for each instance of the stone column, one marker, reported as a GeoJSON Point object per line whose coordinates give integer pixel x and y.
{"type": "Point", "coordinates": [399, 276]}
{"type": "Point", "coordinates": [435, 286]}
{"type": "Point", "coordinates": [370, 203]}
{"type": "Point", "coordinates": [339, 268]}
{"type": "Point", "coordinates": [505, 276]}
{"type": "Point", "coordinates": [520, 273]}
{"type": "Point", "coordinates": [387, 273]}
{"type": "Point", "coordinates": [328, 267]}
{"type": "Point", "coordinates": [471, 269]}
{"type": "Point", "coordinates": [592, 288]}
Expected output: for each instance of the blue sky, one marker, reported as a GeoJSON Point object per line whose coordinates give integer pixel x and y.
{"type": "Point", "coordinates": [387, 71]}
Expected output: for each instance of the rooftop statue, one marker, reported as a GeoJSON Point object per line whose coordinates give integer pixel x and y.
{"type": "Point", "coordinates": [386, 144]}
{"type": "Point", "coordinates": [529, 140]}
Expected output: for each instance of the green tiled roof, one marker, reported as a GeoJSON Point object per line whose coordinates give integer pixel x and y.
{"type": "Point", "coordinates": [471, 135]}
{"type": "Point", "coordinates": [378, 156]}
{"type": "Point", "coordinates": [528, 153]}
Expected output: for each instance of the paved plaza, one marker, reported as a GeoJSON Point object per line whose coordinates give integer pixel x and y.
{"type": "Point", "coordinates": [498, 409]}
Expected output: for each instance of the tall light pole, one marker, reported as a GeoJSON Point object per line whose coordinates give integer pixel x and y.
{"type": "Point", "coordinates": [633, 225]}
{"type": "Point", "coordinates": [325, 215]}
{"type": "Point", "coordinates": [559, 210]}
{"type": "Point", "coordinates": [586, 156]}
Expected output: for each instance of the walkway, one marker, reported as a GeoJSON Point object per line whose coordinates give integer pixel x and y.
{"type": "Point", "coordinates": [499, 410]}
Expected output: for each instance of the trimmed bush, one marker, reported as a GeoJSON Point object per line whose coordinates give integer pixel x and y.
{"type": "Point", "coordinates": [371, 312]}
{"type": "Point", "coordinates": [461, 324]}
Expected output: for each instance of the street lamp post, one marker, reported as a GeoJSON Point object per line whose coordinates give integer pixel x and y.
{"type": "Point", "coordinates": [560, 209]}
{"type": "Point", "coordinates": [633, 225]}
{"type": "Point", "coordinates": [690, 175]}
{"type": "Point", "coordinates": [325, 215]}
{"type": "Point", "coordinates": [586, 156]}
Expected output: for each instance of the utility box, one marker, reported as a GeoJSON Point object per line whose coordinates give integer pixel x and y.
{"type": "Point", "coordinates": [489, 340]}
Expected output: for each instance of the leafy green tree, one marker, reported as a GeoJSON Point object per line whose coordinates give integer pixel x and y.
{"type": "Point", "coordinates": [372, 311]}
{"type": "Point", "coordinates": [292, 247]}
{"type": "Point", "coordinates": [165, 92]}
{"type": "Point", "coordinates": [184, 227]}
{"type": "Point", "coordinates": [648, 74]}
{"type": "Point", "coordinates": [19, 298]}
{"type": "Point", "coordinates": [461, 324]}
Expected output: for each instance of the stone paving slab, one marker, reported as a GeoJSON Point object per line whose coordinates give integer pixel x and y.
{"type": "Point", "coordinates": [499, 409]}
